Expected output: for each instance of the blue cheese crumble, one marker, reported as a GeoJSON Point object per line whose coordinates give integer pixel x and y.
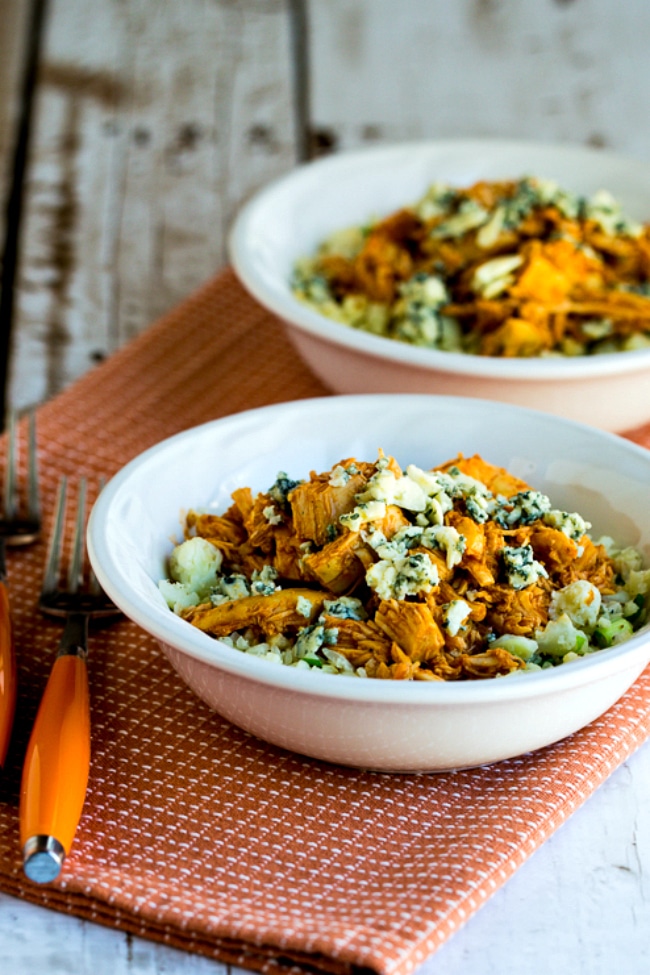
{"type": "Point", "coordinates": [421, 274]}
{"type": "Point", "coordinates": [521, 567]}
{"type": "Point", "coordinates": [341, 475]}
{"type": "Point", "coordinates": [455, 614]}
{"type": "Point", "coordinates": [402, 577]}
{"type": "Point", "coordinates": [405, 538]}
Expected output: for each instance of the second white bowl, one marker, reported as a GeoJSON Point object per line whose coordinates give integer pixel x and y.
{"type": "Point", "coordinates": [289, 218]}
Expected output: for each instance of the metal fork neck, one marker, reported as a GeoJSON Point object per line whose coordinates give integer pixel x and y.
{"type": "Point", "coordinates": [74, 642]}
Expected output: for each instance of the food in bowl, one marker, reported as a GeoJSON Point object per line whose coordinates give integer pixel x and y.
{"type": "Point", "coordinates": [459, 572]}
{"type": "Point", "coordinates": [396, 725]}
{"type": "Point", "coordinates": [510, 268]}
{"type": "Point", "coordinates": [288, 219]}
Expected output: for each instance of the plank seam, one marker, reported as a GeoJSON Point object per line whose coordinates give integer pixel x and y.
{"type": "Point", "coordinates": [14, 202]}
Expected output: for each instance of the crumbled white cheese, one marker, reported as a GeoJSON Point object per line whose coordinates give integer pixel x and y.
{"type": "Point", "coordinates": [493, 277]}
{"type": "Point", "coordinates": [345, 243]}
{"type": "Point", "coordinates": [469, 215]}
{"type": "Point", "coordinates": [272, 515]}
{"type": "Point", "coordinates": [607, 212]}
{"type": "Point", "coordinates": [364, 512]}
{"type": "Point", "coordinates": [403, 491]}
{"type": "Point", "coordinates": [448, 539]}
{"type": "Point", "coordinates": [416, 315]}
{"type": "Point", "coordinates": [638, 582]}
{"type": "Point", "coordinates": [571, 524]}
{"type": "Point", "coordinates": [436, 201]}
{"type": "Point", "coordinates": [520, 509]}
{"type": "Point", "coordinates": [229, 587]}
{"type": "Point", "coordinates": [341, 475]}
{"type": "Point", "coordinates": [263, 581]}
{"type": "Point", "coordinates": [626, 560]}
{"type": "Point", "coordinates": [454, 615]}
{"type": "Point", "coordinates": [521, 567]}
{"type": "Point", "coordinates": [303, 606]}
{"type": "Point", "coordinates": [345, 608]}
{"type": "Point", "coordinates": [310, 640]}
{"type": "Point", "coordinates": [404, 577]}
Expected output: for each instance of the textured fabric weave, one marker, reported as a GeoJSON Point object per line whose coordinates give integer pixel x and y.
{"type": "Point", "coordinates": [198, 835]}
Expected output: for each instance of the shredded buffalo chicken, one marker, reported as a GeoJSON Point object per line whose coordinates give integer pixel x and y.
{"type": "Point", "coordinates": [517, 268]}
{"type": "Point", "coordinates": [394, 580]}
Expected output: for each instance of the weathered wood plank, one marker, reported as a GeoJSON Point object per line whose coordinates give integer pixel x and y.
{"type": "Point", "coordinates": [19, 34]}
{"type": "Point", "coordinates": [67, 944]}
{"type": "Point", "coordinates": [154, 121]}
{"type": "Point", "coordinates": [14, 22]}
{"type": "Point", "coordinates": [553, 70]}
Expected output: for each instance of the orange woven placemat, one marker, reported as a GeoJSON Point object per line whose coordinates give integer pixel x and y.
{"type": "Point", "coordinates": [196, 834]}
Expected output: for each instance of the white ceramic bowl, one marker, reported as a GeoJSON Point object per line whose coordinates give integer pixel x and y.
{"type": "Point", "coordinates": [388, 725]}
{"type": "Point", "coordinates": [289, 218]}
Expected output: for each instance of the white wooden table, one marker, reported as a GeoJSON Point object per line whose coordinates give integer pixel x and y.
{"type": "Point", "coordinates": [130, 132]}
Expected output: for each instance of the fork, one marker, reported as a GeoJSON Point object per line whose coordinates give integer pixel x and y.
{"type": "Point", "coordinates": [17, 527]}
{"type": "Point", "coordinates": [57, 762]}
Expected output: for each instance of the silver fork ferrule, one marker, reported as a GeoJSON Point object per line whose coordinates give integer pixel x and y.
{"type": "Point", "coordinates": [74, 642]}
{"type": "Point", "coordinates": [43, 858]}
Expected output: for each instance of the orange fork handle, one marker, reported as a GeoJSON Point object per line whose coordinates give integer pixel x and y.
{"type": "Point", "coordinates": [55, 773]}
{"type": "Point", "coordinates": [7, 674]}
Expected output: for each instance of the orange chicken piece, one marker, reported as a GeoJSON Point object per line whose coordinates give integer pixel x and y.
{"type": "Point", "coordinates": [496, 479]}
{"type": "Point", "coordinates": [518, 611]}
{"type": "Point", "coordinates": [341, 565]}
{"type": "Point", "coordinates": [517, 338]}
{"type": "Point", "coordinates": [412, 626]}
{"type": "Point", "coordinates": [316, 505]}
{"type": "Point", "coordinates": [272, 614]}
{"type": "Point", "coordinates": [288, 557]}
{"type": "Point", "coordinates": [360, 640]}
{"type": "Point", "coordinates": [594, 565]}
{"type": "Point", "coordinates": [243, 501]}
{"type": "Point", "coordinates": [225, 531]}
{"type": "Point", "coordinates": [492, 663]}
{"type": "Point", "coordinates": [553, 548]}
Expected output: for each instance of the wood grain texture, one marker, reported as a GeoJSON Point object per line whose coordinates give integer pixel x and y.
{"type": "Point", "coordinates": [553, 70]}
{"type": "Point", "coordinates": [15, 17]}
{"type": "Point", "coordinates": [154, 121]}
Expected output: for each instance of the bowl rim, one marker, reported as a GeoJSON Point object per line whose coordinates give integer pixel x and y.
{"type": "Point", "coordinates": [189, 641]}
{"type": "Point", "coordinates": [250, 221]}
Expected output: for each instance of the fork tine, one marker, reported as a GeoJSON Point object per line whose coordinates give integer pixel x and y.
{"type": "Point", "coordinates": [10, 500]}
{"type": "Point", "coordinates": [76, 567]}
{"type": "Point", "coordinates": [33, 496]}
{"type": "Point", "coordinates": [51, 577]}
